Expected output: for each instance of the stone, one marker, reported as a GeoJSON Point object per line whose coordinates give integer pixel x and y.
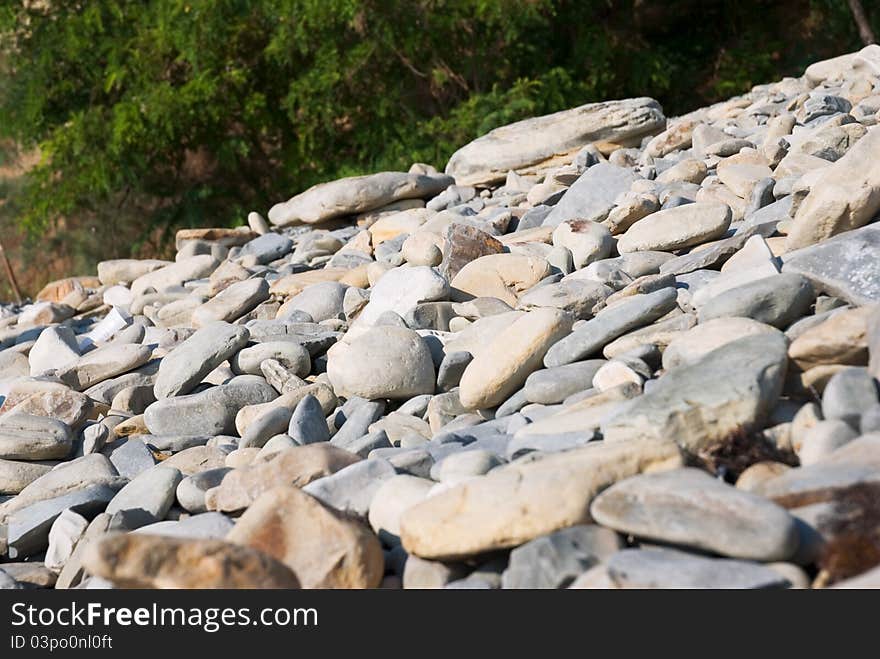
{"type": "Point", "coordinates": [588, 241]}
{"type": "Point", "coordinates": [463, 244]}
{"type": "Point", "coordinates": [846, 266]}
{"type": "Point", "coordinates": [212, 411]}
{"type": "Point", "coordinates": [503, 366]}
{"type": "Point", "coordinates": [702, 405]}
{"type": "Point", "coordinates": [502, 276]}
{"type": "Point", "coordinates": [419, 574]}
{"type": "Point", "coordinates": [393, 497]}
{"type": "Point", "coordinates": [690, 508]}
{"type": "Point", "coordinates": [553, 385]}
{"type": "Point", "coordinates": [175, 274]}
{"type": "Point", "coordinates": [308, 424]}
{"type": "Point", "coordinates": [519, 502]}
{"type": "Point", "coordinates": [452, 368]}
{"type": "Point", "coordinates": [324, 548]}
{"type": "Point", "coordinates": [694, 344]}
{"type": "Point", "coordinates": [152, 561]}
{"type": "Point", "coordinates": [531, 144]}
{"type": "Point", "coordinates": [401, 289]}
{"type": "Point", "coordinates": [104, 363]}
{"type": "Point", "coordinates": [383, 362]}
{"type": "Point", "coordinates": [465, 464]}
{"type": "Point", "coordinates": [185, 366]}
{"type": "Point", "coordinates": [351, 489]}
{"type": "Point", "coordinates": [676, 228]}
{"type": "Point", "coordinates": [777, 300]}
{"type": "Point", "coordinates": [841, 339]}
{"type": "Point", "coordinates": [28, 528]}
{"type": "Point", "coordinates": [848, 394]}
{"type": "Point", "coordinates": [357, 422]}
{"type": "Point", "coordinates": [28, 437]}
{"type": "Point", "coordinates": [293, 357]}
{"type": "Point", "coordinates": [204, 526]}
{"type": "Point", "coordinates": [64, 534]}
{"type": "Point", "coordinates": [297, 466]}
{"type": "Point", "coordinates": [191, 490]}
{"type": "Point", "coordinates": [557, 559]}
{"type": "Point", "coordinates": [824, 438]}
{"type": "Point", "coordinates": [231, 303]}
{"type": "Point", "coordinates": [668, 569]}
{"type": "Point", "coordinates": [579, 297]}
{"type": "Point", "coordinates": [126, 270]}
{"type": "Point", "coordinates": [321, 301]}
{"type": "Point", "coordinates": [61, 404]}
{"type": "Point", "coordinates": [610, 324]}
{"type": "Point", "coordinates": [593, 195]}
{"type": "Point", "coordinates": [131, 457]}
{"type": "Point", "coordinates": [55, 349]}
{"type": "Point", "coordinates": [846, 196]}
{"type": "Point", "coordinates": [151, 491]}
{"type": "Point", "coordinates": [356, 194]}
{"type": "Point", "coordinates": [16, 475]}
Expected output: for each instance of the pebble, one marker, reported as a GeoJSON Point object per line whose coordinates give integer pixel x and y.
{"type": "Point", "coordinates": [151, 491]}
{"type": "Point", "coordinates": [675, 228]}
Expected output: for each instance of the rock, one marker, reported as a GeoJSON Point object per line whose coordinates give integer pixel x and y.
{"type": "Point", "coordinates": [848, 394]}
{"type": "Point", "coordinates": [841, 339]}
{"type": "Point", "coordinates": [322, 547]}
{"type": "Point", "coordinates": [553, 385]}
{"type": "Point", "coordinates": [688, 507]}
{"type": "Point", "coordinates": [675, 228]}
{"type": "Point", "coordinates": [104, 363]}
{"type": "Point", "coordinates": [703, 405]}
{"type": "Point", "coordinates": [587, 241]}
{"type": "Point", "coordinates": [293, 357]}
{"type": "Point", "coordinates": [776, 300]}
{"type": "Point", "coordinates": [191, 490]}
{"type": "Point", "coordinates": [15, 476]}
{"type": "Point", "coordinates": [555, 560]}
{"type": "Point", "coordinates": [845, 266]}
{"type": "Point", "coordinates": [579, 297]}
{"type": "Point", "coordinates": [464, 244]}
{"type": "Point", "coordinates": [185, 366]}
{"type": "Point", "coordinates": [151, 491]}
{"type": "Point", "coordinates": [528, 145]}
{"type": "Point", "coordinates": [55, 349]}
{"type": "Point", "coordinates": [232, 302]}
{"type": "Point", "coordinates": [147, 561]}
{"type": "Point", "coordinates": [610, 324]}
{"type": "Point", "coordinates": [466, 464]}
{"type": "Point", "coordinates": [131, 457]}
{"type": "Point", "coordinates": [351, 489]}
{"type": "Point", "coordinates": [419, 574]}
{"type": "Point", "coordinates": [400, 290]}
{"type": "Point", "coordinates": [356, 194]}
{"type": "Point", "coordinates": [846, 196]}
{"type": "Point", "coordinates": [383, 362]}
{"type": "Point", "coordinates": [519, 502]}
{"type": "Point", "coordinates": [321, 301]}
{"type": "Point", "coordinates": [297, 466]}
{"type": "Point", "coordinates": [28, 528]}
{"type": "Point", "coordinates": [697, 342]}
{"type": "Point", "coordinates": [308, 424]}
{"type": "Point", "coordinates": [664, 568]}
{"type": "Point", "coordinates": [503, 366]}
{"type": "Point", "coordinates": [126, 270]}
{"type": "Point", "coordinates": [64, 534]}
{"type": "Point", "coordinates": [394, 497]}
{"type": "Point", "coordinates": [212, 411]}
{"type": "Point", "coordinates": [29, 437]}
{"type": "Point", "coordinates": [593, 195]}
{"type": "Point", "coordinates": [502, 276]}
{"type": "Point", "coordinates": [822, 439]}
{"type": "Point", "coordinates": [204, 526]}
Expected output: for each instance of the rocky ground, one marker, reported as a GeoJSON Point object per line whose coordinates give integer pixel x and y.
{"type": "Point", "coordinates": [603, 350]}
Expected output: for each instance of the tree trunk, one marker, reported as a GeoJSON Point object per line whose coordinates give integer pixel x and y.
{"type": "Point", "coordinates": [865, 31]}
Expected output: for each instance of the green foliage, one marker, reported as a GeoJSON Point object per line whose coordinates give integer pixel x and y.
{"type": "Point", "coordinates": [155, 114]}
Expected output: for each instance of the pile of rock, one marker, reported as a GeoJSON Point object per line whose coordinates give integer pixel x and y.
{"type": "Point", "coordinates": [603, 350]}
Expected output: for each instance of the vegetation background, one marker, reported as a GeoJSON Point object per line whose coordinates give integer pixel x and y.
{"type": "Point", "coordinates": [123, 120]}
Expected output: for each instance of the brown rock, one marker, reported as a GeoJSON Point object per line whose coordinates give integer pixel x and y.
{"type": "Point", "coordinates": [842, 339]}
{"type": "Point", "coordinates": [56, 291]}
{"type": "Point", "coordinates": [226, 237]}
{"type": "Point", "coordinates": [465, 244]}
{"type": "Point", "coordinates": [324, 548]}
{"type": "Point", "coordinates": [149, 561]}
{"type": "Point", "coordinates": [296, 466]}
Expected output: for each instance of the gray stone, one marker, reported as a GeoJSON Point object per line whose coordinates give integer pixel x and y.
{"type": "Point", "coordinates": [729, 391]}
{"type": "Point", "coordinates": [675, 228]}
{"type": "Point", "coordinates": [131, 457]}
{"type": "Point", "coordinates": [846, 266]}
{"type": "Point", "coordinates": [289, 354]}
{"type": "Point", "coordinates": [665, 568]}
{"type": "Point", "coordinates": [64, 535]}
{"type": "Point", "coordinates": [688, 507]}
{"type": "Point", "coordinates": [232, 302]}
{"type": "Point", "coordinates": [609, 324]}
{"type": "Point", "coordinates": [464, 464]}
{"type": "Point", "coordinates": [777, 300]}
{"type": "Point", "coordinates": [104, 363]}
{"type": "Point", "coordinates": [152, 491]}
{"type": "Point", "coordinates": [204, 526]}
{"type": "Point", "coordinates": [267, 248]}
{"type": "Point", "coordinates": [191, 490]}
{"type": "Point", "coordinates": [823, 439]}
{"type": "Point", "coordinates": [351, 489]}
{"type": "Point", "coordinates": [185, 366]}
{"type": "Point", "coordinates": [580, 297]}
{"type": "Point", "coordinates": [848, 394]}
{"type": "Point", "coordinates": [554, 385]}
{"type": "Point", "coordinates": [557, 559]}
{"type": "Point", "coordinates": [593, 195]}
{"type": "Point", "coordinates": [355, 418]}
{"type": "Point", "coordinates": [321, 301]}
{"type": "Point", "coordinates": [29, 437]}
{"type": "Point", "coordinates": [15, 475]}
{"type": "Point", "coordinates": [263, 428]}
{"type": "Point", "coordinates": [451, 369]}
{"type": "Point", "coordinates": [28, 531]}
{"type": "Point", "coordinates": [356, 194]}
{"type": "Point", "coordinates": [211, 411]}
{"type": "Point", "coordinates": [308, 424]}
{"type": "Point", "coordinates": [54, 349]}
{"type": "Point", "coordinates": [366, 444]}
